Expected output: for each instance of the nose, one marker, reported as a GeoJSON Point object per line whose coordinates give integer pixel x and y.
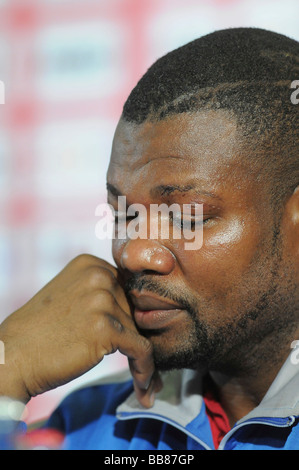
{"type": "Point", "coordinates": [147, 255]}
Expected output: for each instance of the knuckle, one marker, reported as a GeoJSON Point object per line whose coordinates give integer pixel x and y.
{"type": "Point", "coordinates": [98, 277]}
{"type": "Point", "coordinates": [98, 340]}
{"type": "Point", "coordinates": [104, 300]}
{"type": "Point", "coordinates": [115, 323]}
{"type": "Point", "coordinates": [110, 301]}
{"type": "Point", "coordinates": [93, 276]}
{"type": "Point", "coordinates": [99, 325]}
{"type": "Point", "coordinates": [104, 321]}
{"type": "Point", "coordinates": [106, 328]}
{"type": "Point", "coordinates": [109, 277]}
{"type": "Point", "coordinates": [82, 259]}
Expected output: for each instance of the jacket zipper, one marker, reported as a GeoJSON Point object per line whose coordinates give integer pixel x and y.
{"type": "Point", "coordinates": [276, 422]}
{"type": "Point", "coordinates": [127, 416]}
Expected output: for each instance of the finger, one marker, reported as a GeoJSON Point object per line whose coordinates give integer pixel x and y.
{"type": "Point", "coordinates": [142, 373]}
{"type": "Point", "coordinates": [118, 289]}
{"type": "Point", "coordinates": [147, 382]}
{"type": "Point", "coordinates": [147, 397]}
{"type": "Point", "coordinates": [140, 361]}
{"type": "Point", "coordinates": [117, 282]}
{"type": "Point", "coordinates": [105, 277]}
{"type": "Point", "coordinates": [126, 339]}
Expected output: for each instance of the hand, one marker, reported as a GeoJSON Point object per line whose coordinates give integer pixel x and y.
{"type": "Point", "coordinates": [68, 327]}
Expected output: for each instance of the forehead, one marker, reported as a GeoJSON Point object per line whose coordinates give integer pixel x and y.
{"type": "Point", "coordinates": [203, 146]}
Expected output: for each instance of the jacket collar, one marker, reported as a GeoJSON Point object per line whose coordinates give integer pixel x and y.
{"type": "Point", "coordinates": [282, 398]}
{"type": "Point", "coordinates": [180, 399]}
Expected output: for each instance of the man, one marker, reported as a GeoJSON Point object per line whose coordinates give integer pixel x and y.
{"type": "Point", "coordinates": [208, 332]}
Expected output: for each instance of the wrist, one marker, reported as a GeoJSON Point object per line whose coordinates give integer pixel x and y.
{"type": "Point", "coordinates": [11, 383]}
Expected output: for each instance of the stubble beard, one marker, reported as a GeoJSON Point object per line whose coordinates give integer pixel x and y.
{"type": "Point", "coordinates": [251, 336]}
{"type": "Point", "coordinates": [240, 346]}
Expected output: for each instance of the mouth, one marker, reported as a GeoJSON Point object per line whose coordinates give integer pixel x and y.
{"type": "Point", "coordinates": [153, 312]}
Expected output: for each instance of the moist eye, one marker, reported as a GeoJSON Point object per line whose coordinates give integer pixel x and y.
{"type": "Point", "coordinates": [192, 223]}
{"type": "Point", "coordinates": [189, 223]}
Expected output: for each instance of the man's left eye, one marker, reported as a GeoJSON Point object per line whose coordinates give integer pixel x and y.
{"type": "Point", "coordinates": [193, 222]}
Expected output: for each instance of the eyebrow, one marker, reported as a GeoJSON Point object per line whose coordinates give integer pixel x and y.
{"type": "Point", "coordinates": [167, 189]}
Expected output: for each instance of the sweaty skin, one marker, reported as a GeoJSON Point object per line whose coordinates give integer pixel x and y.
{"type": "Point", "coordinates": [226, 306]}
{"type": "Point", "coordinates": [237, 297]}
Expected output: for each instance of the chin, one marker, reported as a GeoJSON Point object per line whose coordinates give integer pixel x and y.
{"type": "Point", "coordinates": [170, 354]}
{"type": "Point", "coordinates": [177, 359]}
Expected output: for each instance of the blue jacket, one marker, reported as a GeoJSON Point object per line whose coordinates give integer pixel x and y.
{"type": "Point", "coordinates": [107, 416]}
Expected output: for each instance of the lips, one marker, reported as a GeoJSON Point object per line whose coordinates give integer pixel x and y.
{"type": "Point", "coordinates": [151, 302]}
{"type": "Point", "coordinates": [153, 312]}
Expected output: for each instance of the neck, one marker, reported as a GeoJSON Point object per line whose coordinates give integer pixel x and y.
{"type": "Point", "coordinates": [240, 393]}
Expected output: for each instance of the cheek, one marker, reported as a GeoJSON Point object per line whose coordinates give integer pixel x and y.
{"type": "Point", "coordinates": [229, 236]}
{"type": "Point", "coordinates": [223, 260]}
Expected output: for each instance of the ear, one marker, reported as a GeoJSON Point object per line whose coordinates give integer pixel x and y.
{"type": "Point", "coordinates": [290, 224]}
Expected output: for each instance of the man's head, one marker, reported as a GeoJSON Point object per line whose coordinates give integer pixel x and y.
{"type": "Point", "coordinates": [212, 123]}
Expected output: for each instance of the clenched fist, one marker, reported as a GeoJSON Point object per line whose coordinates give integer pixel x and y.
{"type": "Point", "coordinates": [68, 327]}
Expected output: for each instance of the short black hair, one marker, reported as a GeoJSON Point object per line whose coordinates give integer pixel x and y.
{"type": "Point", "coordinates": [246, 71]}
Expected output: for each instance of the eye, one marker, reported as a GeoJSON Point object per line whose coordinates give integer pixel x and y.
{"type": "Point", "coordinates": [190, 219]}
{"type": "Point", "coordinates": [193, 222]}
{"type": "Point", "coordinates": [123, 217]}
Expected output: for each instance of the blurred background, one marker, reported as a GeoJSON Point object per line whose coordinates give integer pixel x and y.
{"type": "Point", "coordinates": [68, 66]}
